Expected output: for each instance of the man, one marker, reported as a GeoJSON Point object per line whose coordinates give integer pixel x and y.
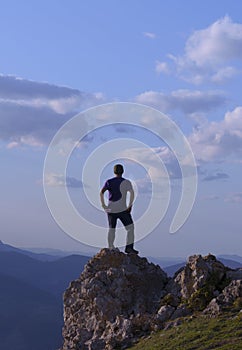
{"type": "Point", "coordinates": [117, 208]}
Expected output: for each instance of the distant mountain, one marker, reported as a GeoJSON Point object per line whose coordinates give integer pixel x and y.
{"type": "Point", "coordinates": [61, 253]}
{"type": "Point", "coordinates": [231, 257]}
{"type": "Point", "coordinates": [230, 263]}
{"type": "Point", "coordinates": [166, 261]}
{"type": "Point", "coordinates": [51, 276]}
{"type": "Point", "coordinates": [39, 256]}
{"type": "Point", "coordinates": [29, 318]}
{"type": "Point", "coordinates": [31, 290]}
{"type": "Point", "coordinates": [170, 270]}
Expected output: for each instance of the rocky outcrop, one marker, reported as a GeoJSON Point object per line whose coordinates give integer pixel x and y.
{"type": "Point", "coordinates": [120, 298]}
{"type": "Point", "coordinates": [113, 302]}
{"type": "Point", "coordinates": [199, 281]}
{"type": "Point", "coordinates": [198, 273]}
{"type": "Point", "coordinates": [230, 296]}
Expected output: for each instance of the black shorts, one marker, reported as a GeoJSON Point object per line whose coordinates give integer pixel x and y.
{"type": "Point", "coordinates": [124, 216]}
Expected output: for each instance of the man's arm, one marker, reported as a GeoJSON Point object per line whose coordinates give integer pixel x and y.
{"type": "Point", "coordinates": [103, 190]}
{"type": "Point", "coordinates": [131, 199]}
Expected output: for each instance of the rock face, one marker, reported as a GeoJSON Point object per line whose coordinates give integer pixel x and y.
{"type": "Point", "coordinates": [119, 298]}
{"type": "Point", "coordinates": [199, 281]}
{"type": "Point", "coordinates": [199, 272]}
{"type": "Point", "coordinates": [113, 302]}
{"type": "Point", "coordinates": [229, 296]}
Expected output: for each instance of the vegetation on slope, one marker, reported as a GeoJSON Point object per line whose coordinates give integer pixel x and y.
{"type": "Point", "coordinates": [198, 333]}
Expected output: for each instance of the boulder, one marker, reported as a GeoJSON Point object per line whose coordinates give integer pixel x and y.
{"type": "Point", "coordinates": [165, 312]}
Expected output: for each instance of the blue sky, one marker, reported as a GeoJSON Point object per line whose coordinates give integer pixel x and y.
{"type": "Point", "coordinates": [183, 58]}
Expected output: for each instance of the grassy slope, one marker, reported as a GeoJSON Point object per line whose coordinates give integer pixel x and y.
{"type": "Point", "coordinates": [200, 333]}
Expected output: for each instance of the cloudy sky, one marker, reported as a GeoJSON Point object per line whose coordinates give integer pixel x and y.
{"type": "Point", "coordinates": [183, 58]}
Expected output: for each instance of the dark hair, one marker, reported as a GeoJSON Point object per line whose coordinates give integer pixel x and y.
{"type": "Point", "coordinates": [118, 169]}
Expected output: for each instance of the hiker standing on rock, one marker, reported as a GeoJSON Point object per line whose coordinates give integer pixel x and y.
{"type": "Point", "coordinates": [117, 208]}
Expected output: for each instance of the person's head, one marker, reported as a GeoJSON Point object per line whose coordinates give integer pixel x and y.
{"type": "Point", "coordinates": [118, 169]}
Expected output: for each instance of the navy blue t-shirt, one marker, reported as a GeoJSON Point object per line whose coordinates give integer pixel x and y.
{"type": "Point", "coordinates": [117, 188]}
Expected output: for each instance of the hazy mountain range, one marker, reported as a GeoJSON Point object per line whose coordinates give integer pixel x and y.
{"type": "Point", "coordinates": [31, 288]}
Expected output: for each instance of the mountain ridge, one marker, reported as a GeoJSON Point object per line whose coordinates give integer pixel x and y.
{"type": "Point", "coordinates": [22, 305]}
{"type": "Point", "coordinates": [31, 298]}
{"type": "Point", "coordinates": [48, 253]}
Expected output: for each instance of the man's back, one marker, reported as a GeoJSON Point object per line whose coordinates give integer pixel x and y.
{"type": "Point", "coordinates": [117, 188]}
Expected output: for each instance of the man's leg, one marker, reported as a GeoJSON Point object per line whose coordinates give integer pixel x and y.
{"type": "Point", "coordinates": [126, 219]}
{"type": "Point", "coordinates": [112, 222]}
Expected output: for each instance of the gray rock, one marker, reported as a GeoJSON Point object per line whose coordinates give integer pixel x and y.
{"type": "Point", "coordinates": [213, 308]}
{"type": "Point", "coordinates": [114, 302]}
{"type": "Point", "coordinates": [165, 312]}
{"type": "Point", "coordinates": [181, 311]}
{"type": "Point", "coordinates": [198, 272]}
{"type": "Point", "coordinates": [228, 296]}
{"type": "Point", "coordinates": [120, 298]}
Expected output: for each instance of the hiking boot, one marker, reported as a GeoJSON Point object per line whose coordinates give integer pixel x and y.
{"type": "Point", "coordinates": [130, 250]}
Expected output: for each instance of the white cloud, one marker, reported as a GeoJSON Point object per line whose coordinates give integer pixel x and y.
{"type": "Point", "coordinates": [216, 44]}
{"type": "Point", "coordinates": [150, 158]}
{"type": "Point", "coordinates": [57, 180]}
{"type": "Point", "coordinates": [211, 197]}
{"type": "Point", "coordinates": [216, 176]}
{"type": "Point", "coordinates": [234, 197]}
{"type": "Point", "coordinates": [223, 74]}
{"type": "Point", "coordinates": [20, 123]}
{"type": "Point", "coordinates": [54, 180]}
{"type": "Point", "coordinates": [188, 101]}
{"type": "Point", "coordinates": [154, 99]}
{"type": "Point", "coordinates": [219, 141]}
{"type": "Point", "coordinates": [16, 88]}
{"type": "Point", "coordinates": [162, 67]}
{"type": "Point", "coordinates": [149, 35]}
{"type": "Point", "coordinates": [60, 99]}
{"type": "Point", "coordinates": [144, 185]}
{"type": "Point", "coordinates": [209, 53]}
{"type": "Point", "coordinates": [215, 141]}
{"type": "Point", "coordinates": [11, 145]}
{"type": "Point", "coordinates": [31, 112]}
